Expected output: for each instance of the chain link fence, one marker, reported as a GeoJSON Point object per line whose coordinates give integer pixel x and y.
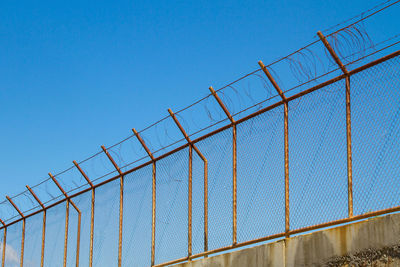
{"type": "Point", "coordinates": [259, 159]}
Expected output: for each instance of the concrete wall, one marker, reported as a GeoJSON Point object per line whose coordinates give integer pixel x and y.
{"type": "Point", "coordinates": [374, 242]}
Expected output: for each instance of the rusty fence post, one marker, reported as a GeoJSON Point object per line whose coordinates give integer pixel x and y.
{"type": "Point", "coordinates": [190, 201]}
{"type": "Point", "coordinates": [68, 202]}
{"type": "Point", "coordinates": [205, 198]}
{"type": "Point", "coordinates": [44, 224]}
{"type": "Point", "coordinates": [91, 211]}
{"type": "Point", "coordinates": [234, 164]}
{"type": "Point", "coordinates": [286, 143]}
{"type": "Point", "coordinates": [189, 185]}
{"type": "Point", "coordinates": [23, 230]}
{"type": "Point", "coordinates": [153, 196]}
{"type": "Point", "coordinates": [348, 122]}
{"type": "Point", "coordinates": [121, 204]}
{"type": "Point", "coordinates": [4, 243]}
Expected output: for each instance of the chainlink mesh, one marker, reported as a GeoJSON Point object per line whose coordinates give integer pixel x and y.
{"type": "Point", "coordinates": [317, 157]}
{"type": "Point", "coordinates": [136, 241]}
{"type": "Point", "coordinates": [261, 200]}
{"type": "Point", "coordinates": [13, 245]}
{"type": "Point", "coordinates": [55, 232]}
{"type": "Point", "coordinates": [33, 240]}
{"type": "Point", "coordinates": [72, 236]}
{"type": "Point", "coordinates": [84, 203]}
{"type": "Point", "coordinates": [376, 135]}
{"type": "Point", "coordinates": [172, 208]}
{"type": "Point", "coordinates": [198, 204]}
{"type": "Point", "coordinates": [106, 226]}
{"type": "Point", "coordinates": [218, 151]}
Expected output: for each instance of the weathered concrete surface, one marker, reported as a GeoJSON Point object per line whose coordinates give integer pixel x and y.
{"type": "Point", "coordinates": [268, 255]}
{"type": "Point", "coordinates": [374, 242]}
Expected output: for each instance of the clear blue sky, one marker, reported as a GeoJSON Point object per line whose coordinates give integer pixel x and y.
{"type": "Point", "coordinates": [78, 74]}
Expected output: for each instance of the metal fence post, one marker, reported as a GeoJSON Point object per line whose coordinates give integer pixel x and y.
{"type": "Point", "coordinates": [190, 201]}
{"type": "Point", "coordinates": [43, 238]}
{"type": "Point", "coordinates": [203, 158]}
{"type": "Point", "coordinates": [153, 196]}
{"type": "Point", "coordinates": [92, 206]}
{"type": "Point", "coordinates": [234, 165]}
{"type": "Point", "coordinates": [69, 201]}
{"type": "Point", "coordinates": [348, 122]}
{"type": "Point", "coordinates": [91, 211]}
{"type": "Point", "coordinates": [349, 153]}
{"type": "Point", "coordinates": [4, 243]}
{"type": "Point", "coordinates": [121, 204]}
{"type": "Point", "coordinates": [286, 143]}
{"type": "Point", "coordinates": [66, 233]}
{"type": "Point", "coordinates": [23, 230]}
{"type": "Point", "coordinates": [189, 184]}
{"type": "Point", "coordinates": [205, 199]}
{"type": "Point", "coordinates": [23, 242]}
{"type": "Point", "coordinates": [44, 224]}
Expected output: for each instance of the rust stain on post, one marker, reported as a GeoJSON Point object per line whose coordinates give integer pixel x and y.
{"type": "Point", "coordinates": [58, 185]}
{"type": "Point", "coordinates": [78, 238]}
{"type": "Point", "coordinates": [121, 204]}
{"type": "Point", "coordinates": [348, 122]}
{"type": "Point", "coordinates": [43, 238]}
{"type": "Point", "coordinates": [349, 153]}
{"type": "Point", "coordinates": [192, 146]}
{"type": "Point", "coordinates": [205, 204]}
{"type": "Point", "coordinates": [23, 243]}
{"type": "Point", "coordinates": [189, 182]}
{"type": "Point", "coordinates": [234, 184]}
{"type": "Point", "coordinates": [35, 197]}
{"type": "Point", "coordinates": [153, 196]}
{"type": "Point", "coordinates": [222, 105]}
{"type": "Point", "coordinates": [66, 233]}
{"type": "Point", "coordinates": [91, 228]}
{"type": "Point", "coordinates": [332, 52]}
{"type": "Point", "coordinates": [121, 211]}
{"type": "Point", "coordinates": [153, 216]}
{"type": "Point", "coordinates": [272, 80]}
{"type": "Point", "coordinates": [286, 143]}
{"type": "Point", "coordinates": [83, 174]}
{"type": "Point", "coordinates": [91, 217]}
{"type": "Point", "coordinates": [111, 159]}
{"type": "Point", "coordinates": [179, 126]}
{"type": "Point", "coordinates": [234, 164]}
{"type": "Point", "coordinates": [190, 201]}
{"type": "Point", "coordinates": [143, 144]}
{"type": "Point", "coordinates": [15, 207]}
